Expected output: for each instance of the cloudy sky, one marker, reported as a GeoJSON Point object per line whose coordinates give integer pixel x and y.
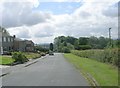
{"type": "Point", "coordinates": [43, 20]}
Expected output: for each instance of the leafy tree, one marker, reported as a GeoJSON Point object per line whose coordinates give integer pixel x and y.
{"type": "Point", "coordinates": [103, 42]}
{"type": "Point", "coordinates": [70, 40]}
{"type": "Point", "coordinates": [76, 45]}
{"type": "Point", "coordinates": [93, 42]}
{"type": "Point", "coordinates": [39, 48]}
{"type": "Point", "coordinates": [70, 46]}
{"type": "Point", "coordinates": [80, 43]}
{"type": "Point", "coordinates": [65, 50]}
{"type": "Point", "coordinates": [83, 41]}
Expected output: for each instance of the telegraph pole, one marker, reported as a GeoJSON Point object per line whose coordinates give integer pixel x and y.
{"type": "Point", "coordinates": [110, 36]}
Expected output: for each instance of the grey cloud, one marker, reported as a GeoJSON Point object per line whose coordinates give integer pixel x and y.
{"type": "Point", "coordinates": [46, 31]}
{"type": "Point", "coordinates": [20, 32]}
{"type": "Point", "coordinates": [21, 13]}
{"type": "Point", "coordinates": [43, 35]}
{"type": "Point", "coordinates": [84, 14]}
{"type": "Point", "coordinates": [111, 11]}
{"type": "Point", "coordinates": [23, 34]}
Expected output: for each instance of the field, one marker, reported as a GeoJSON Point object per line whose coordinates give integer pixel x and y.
{"type": "Point", "coordinates": [104, 74]}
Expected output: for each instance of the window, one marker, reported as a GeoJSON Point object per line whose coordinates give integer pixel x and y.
{"type": "Point", "coordinates": [8, 39]}
{"type": "Point", "coordinates": [11, 39]}
{"type": "Point", "coordinates": [4, 39]}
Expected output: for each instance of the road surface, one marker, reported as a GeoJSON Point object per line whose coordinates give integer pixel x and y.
{"type": "Point", "coordinates": [50, 71]}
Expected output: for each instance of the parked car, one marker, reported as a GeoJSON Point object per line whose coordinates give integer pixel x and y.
{"type": "Point", "coordinates": [6, 53]}
{"type": "Point", "coordinates": [43, 54]}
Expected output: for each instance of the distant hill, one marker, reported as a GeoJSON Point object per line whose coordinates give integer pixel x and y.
{"type": "Point", "coordinates": [45, 45]}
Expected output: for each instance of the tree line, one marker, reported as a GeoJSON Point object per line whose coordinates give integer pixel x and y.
{"type": "Point", "coordinates": [65, 44]}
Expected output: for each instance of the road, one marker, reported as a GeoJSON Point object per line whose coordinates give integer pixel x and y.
{"type": "Point", "coordinates": [50, 71]}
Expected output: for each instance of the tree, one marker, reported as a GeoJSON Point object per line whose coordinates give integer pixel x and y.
{"type": "Point", "coordinates": [51, 46]}
{"type": "Point", "coordinates": [103, 42]}
{"type": "Point", "coordinates": [83, 41]}
{"type": "Point", "coordinates": [93, 42]}
{"type": "Point", "coordinates": [76, 45]}
{"type": "Point", "coordinates": [70, 40]}
{"type": "Point", "coordinates": [40, 48]}
{"type": "Point", "coordinates": [70, 46]}
{"type": "Point", "coordinates": [65, 50]}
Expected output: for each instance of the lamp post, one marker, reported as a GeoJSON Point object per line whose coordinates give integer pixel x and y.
{"type": "Point", "coordinates": [110, 36]}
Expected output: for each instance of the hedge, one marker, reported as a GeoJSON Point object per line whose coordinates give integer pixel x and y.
{"type": "Point", "coordinates": [106, 55]}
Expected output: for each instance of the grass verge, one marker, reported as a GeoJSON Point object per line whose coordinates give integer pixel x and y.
{"type": "Point", "coordinates": [104, 74]}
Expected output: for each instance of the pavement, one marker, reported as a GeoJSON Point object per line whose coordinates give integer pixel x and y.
{"type": "Point", "coordinates": [47, 71]}
{"type": "Point", "coordinates": [2, 66]}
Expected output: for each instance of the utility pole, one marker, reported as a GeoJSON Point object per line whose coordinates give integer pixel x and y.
{"type": "Point", "coordinates": [110, 36]}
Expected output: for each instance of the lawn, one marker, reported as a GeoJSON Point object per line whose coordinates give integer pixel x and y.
{"type": "Point", "coordinates": [31, 55]}
{"type": "Point", "coordinates": [104, 74]}
{"type": "Point", "coordinates": [5, 60]}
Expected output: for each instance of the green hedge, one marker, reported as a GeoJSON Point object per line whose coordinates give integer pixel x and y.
{"type": "Point", "coordinates": [107, 55]}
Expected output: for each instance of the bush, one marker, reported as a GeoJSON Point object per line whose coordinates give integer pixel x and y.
{"type": "Point", "coordinates": [66, 50]}
{"type": "Point", "coordinates": [19, 57]}
{"type": "Point", "coordinates": [84, 47]}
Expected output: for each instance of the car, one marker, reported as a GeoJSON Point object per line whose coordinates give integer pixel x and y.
{"type": "Point", "coordinates": [6, 53]}
{"type": "Point", "coordinates": [51, 53]}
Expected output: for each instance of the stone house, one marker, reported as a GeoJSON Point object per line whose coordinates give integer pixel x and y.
{"type": "Point", "coordinates": [23, 45]}
{"type": "Point", "coordinates": [11, 43]}
{"type": "Point", "coordinates": [6, 41]}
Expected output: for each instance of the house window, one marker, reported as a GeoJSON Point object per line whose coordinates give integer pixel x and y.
{"type": "Point", "coordinates": [8, 39]}
{"type": "Point", "coordinates": [4, 39]}
{"type": "Point", "coordinates": [11, 39]}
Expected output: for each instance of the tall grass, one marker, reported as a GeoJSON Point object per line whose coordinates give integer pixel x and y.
{"type": "Point", "coordinates": [106, 55]}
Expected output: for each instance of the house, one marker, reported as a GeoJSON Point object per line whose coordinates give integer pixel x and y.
{"type": "Point", "coordinates": [10, 43]}
{"type": "Point", "coordinates": [29, 46]}
{"type": "Point", "coordinates": [6, 41]}
{"type": "Point", "coordinates": [23, 45]}
{"type": "Point", "coordinates": [19, 44]}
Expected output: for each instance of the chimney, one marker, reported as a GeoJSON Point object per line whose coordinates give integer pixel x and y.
{"type": "Point", "coordinates": [14, 36]}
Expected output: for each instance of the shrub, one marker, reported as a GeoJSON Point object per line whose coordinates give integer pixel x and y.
{"type": "Point", "coordinates": [66, 50]}
{"type": "Point", "coordinates": [19, 57]}
{"type": "Point", "coordinates": [84, 47]}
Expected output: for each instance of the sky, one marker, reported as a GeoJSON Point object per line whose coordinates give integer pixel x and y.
{"type": "Point", "coordinates": [42, 21]}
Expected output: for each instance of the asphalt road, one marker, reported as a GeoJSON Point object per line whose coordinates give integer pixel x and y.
{"type": "Point", "coordinates": [50, 71]}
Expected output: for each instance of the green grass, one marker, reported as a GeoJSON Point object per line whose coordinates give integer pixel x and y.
{"type": "Point", "coordinates": [104, 74]}
{"type": "Point", "coordinates": [30, 55]}
{"type": "Point", "coordinates": [5, 60]}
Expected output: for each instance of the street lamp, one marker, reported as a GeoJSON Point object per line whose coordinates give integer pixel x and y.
{"type": "Point", "coordinates": [110, 36]}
